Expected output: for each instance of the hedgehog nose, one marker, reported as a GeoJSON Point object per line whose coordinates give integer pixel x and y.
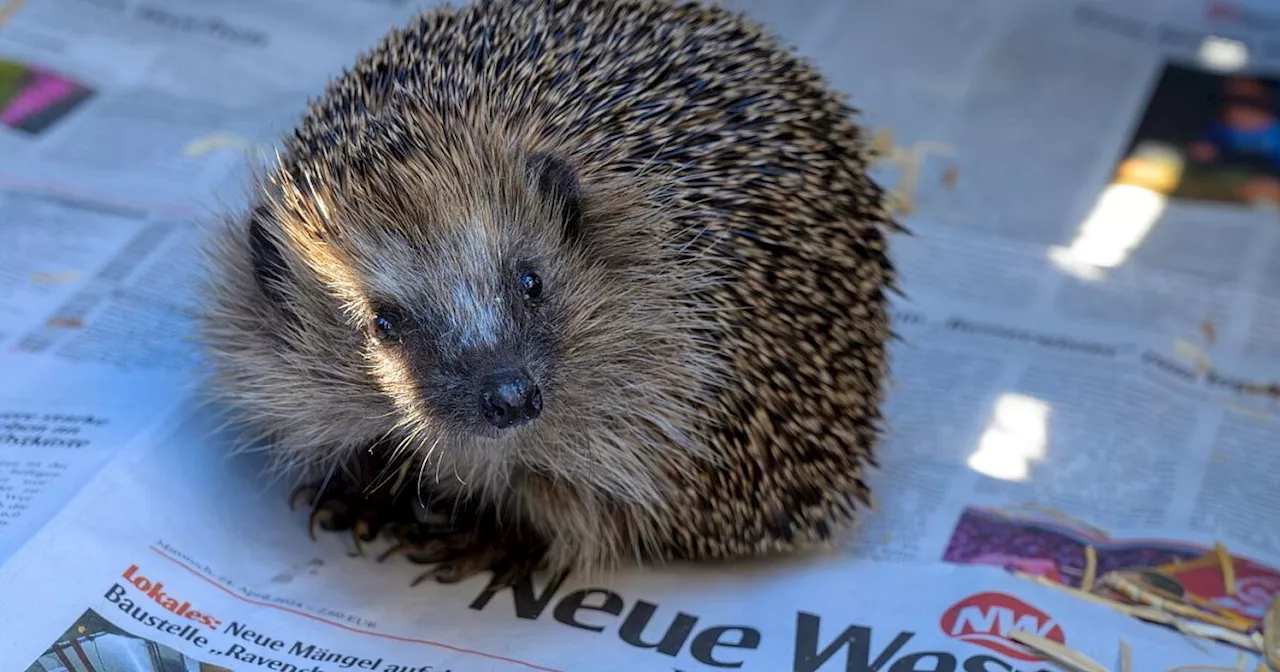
{"type": "Point", "coordinates": [509, 398]}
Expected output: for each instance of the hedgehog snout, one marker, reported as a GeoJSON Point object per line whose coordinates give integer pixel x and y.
{"type": "Point", "coordinates": [509, 398]}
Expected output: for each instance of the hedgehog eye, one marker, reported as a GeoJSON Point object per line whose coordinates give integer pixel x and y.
{"type": "Point", "coordinates": [385, 328]}
{"type": "Point", "coordinates": [531, 284]}
{"type": "Point", "coordinates": [386, 325]}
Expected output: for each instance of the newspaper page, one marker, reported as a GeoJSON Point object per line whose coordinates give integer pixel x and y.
{"type": "Point", "coordinates": [200, 558]}
{"type": "Point", "coordinates": [1083, 383]}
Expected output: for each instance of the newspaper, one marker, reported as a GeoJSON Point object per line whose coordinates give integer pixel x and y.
{"type": "Point", "coordinates": [1086, 380]}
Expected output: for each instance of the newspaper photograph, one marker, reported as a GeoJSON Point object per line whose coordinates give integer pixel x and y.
{"type": "Point", "coordinates": [1081, 469]}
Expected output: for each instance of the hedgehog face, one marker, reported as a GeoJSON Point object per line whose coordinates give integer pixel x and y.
{"type": "Point", "coordinates": [473, 348]}
{"type": "Point", "coordinates": [508, 313]}
{"type": "Point", "coordinates": [479, 356]}
{"type": "Point", "coordinates": [463, 303]}
{"type": "Point", "coordinates": [474, 356]}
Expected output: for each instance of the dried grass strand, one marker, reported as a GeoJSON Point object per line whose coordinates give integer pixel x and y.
{"type": "Point", "coordinates": [1159, 599]}
{"type": "Point", "coordinates": [1271, 635]}
{"type": "Point", "coordinates": [1090, 568]}
{"type": "Point", "coordinates": [1228, 567]}
{"type": "Point", "coordinates": [1069, 658]}
{"type": "Point", "coordinates": [1155, 615]}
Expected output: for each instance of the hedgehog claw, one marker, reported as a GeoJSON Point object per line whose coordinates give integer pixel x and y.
{"type": "Point", "coordinates": [341, 510]}
{"type": "Point", "coordinates": [332, 515]}
{"type": "Point", "coordinates": [456, 550]}
{"type": "Point", "coordinates": [355, 540]}
{"type": "Point", "coordinates": [454, 565]}
{"type": "Point", "coordinates": [431, 552]}
{"type": "Point", "coordinates": [293, 496]}
{"type": "Point", "coordinates": [316, 515]}
{"type": "Point", "coordinates": [366, 529]}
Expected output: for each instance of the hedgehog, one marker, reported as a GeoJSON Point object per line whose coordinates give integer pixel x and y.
{"type": "Point", "coordinates": [564, 284]}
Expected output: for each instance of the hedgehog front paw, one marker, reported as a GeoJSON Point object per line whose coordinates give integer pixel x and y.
{"type": "Point", "coordinates": [345, 509]}
{"type": "Point", "coordinates": [458, 548]}
{"type": "Point", "coordinates": [459, 553]}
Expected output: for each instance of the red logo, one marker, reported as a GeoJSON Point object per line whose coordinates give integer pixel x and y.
{"type": "Point", "coordinates": [986, 619]}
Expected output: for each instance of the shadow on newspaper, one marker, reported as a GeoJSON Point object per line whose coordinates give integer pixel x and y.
{"type": "Point", "coordinates": [1207, 136]}
{"type": "Point", "coordinates": [93, 644]}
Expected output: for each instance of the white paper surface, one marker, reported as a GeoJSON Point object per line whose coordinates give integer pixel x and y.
{"type": "Point", "coordinates": [1075, 345]}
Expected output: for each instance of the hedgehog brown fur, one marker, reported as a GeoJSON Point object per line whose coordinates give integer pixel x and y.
{"type": "Point", "coordinates": [648, 210]}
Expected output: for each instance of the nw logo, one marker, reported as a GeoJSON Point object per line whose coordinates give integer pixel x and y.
{"type": "Point", "coordinates": [986, 619]}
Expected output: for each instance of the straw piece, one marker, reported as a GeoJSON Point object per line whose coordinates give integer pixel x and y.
{"type": "Point", "coordinates": [1154, 597]}
{"type": "Point", "coordinates": [1155, 615]}
{"type": "Point", "coordinates": [1202, 361]}
{"type": "Point", "coordinates": [1193, 630]}
{"type": "Point", "coordinates": [1090, 568]}
{"type": "Point", "coordinates": [1271, 635]}
{"type": "Point", "coordinates": [1070, 589]}
{"type": "Point", "coordinates": [1069, 658]}
{"type": "Point", "coordinates": [1228, 567]}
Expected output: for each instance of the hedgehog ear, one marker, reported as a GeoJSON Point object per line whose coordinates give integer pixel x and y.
{"type": "Point", "coordinates": [269, 266]}
{"type": "Point", "coordinates": [557, 179]}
